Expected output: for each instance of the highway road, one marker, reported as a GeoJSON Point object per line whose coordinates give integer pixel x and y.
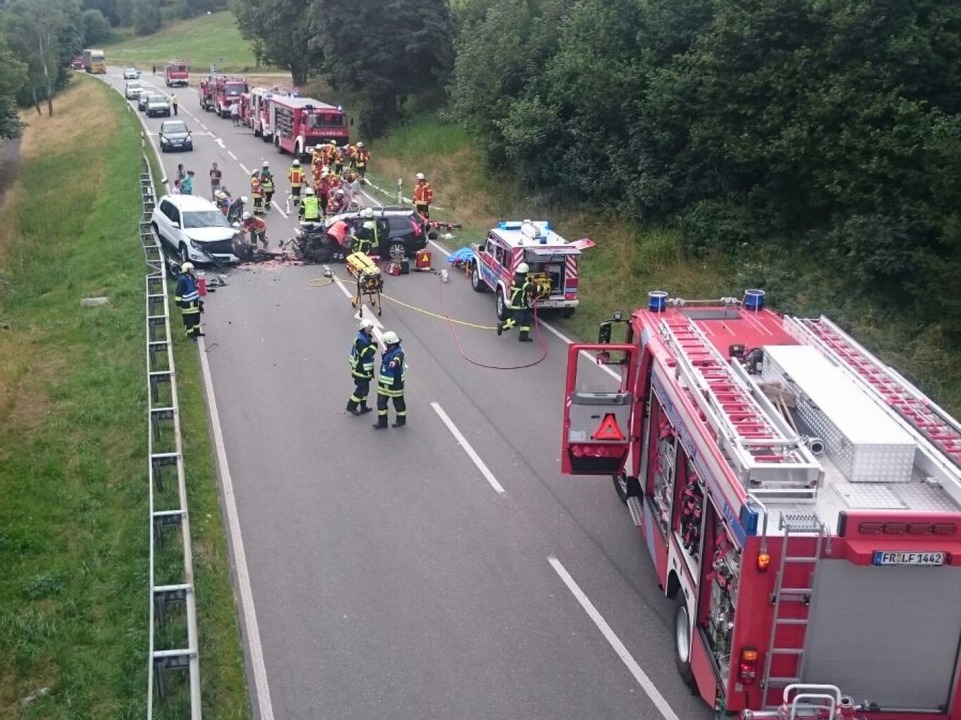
{"type": "Point", "coordinates": [442, 570]}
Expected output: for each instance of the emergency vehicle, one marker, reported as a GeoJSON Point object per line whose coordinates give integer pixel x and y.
{"type": "Point", "coordinates": [297, 124]}
{"type": "Point", "coordinates": [799, 499]}
{"type": "Point", "coordinates": [218, 92]}
{"type": "Point", "coordinates": [176, 73]}
{"type": "Point", "coordinates": [551, 258]}
{"type": "Point", "coordinates": [254, 112]}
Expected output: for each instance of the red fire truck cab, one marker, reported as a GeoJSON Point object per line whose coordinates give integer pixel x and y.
{"type": "Point", "coordinates": [218, 92]}
{"type": "Point", "coordinates": [176, 74]}
{"type": "Point", "coordinates": [799, 499]}
{"type": "Point", "coordinates": [297, 124]}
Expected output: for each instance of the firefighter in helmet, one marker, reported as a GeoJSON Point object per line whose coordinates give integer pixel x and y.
{"type": "Point", "coordinates": [188, 299]}
{"type": "Point", "coordinates": [423, 194]}
{"type": "Point", "coordinates": [390, 384]}
{"type": "Point", "coordinates": [310, 207]}
{"type": "Point", "coordinates": [257, 192]}
{"type": "Point", "coordinates": [317, 160]}
{"type": "Point", "coordinates": [267, 182]}
{"type": "Point", "coordinates": [257, 229]}
{"type": "Point", "coordinates": [522, 292]}
{"type": "Point", "coordinates": [362, 356]}
{"type": "Point", "coordinates": [361, 158]}
{"type": "Point", "coordinates": [297, 177]}
{"type": "Point", "coordinates": [366, 239]}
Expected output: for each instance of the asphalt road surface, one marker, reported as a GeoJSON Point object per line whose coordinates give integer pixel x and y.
{"type": "Point", "coordinates": [442, 570]}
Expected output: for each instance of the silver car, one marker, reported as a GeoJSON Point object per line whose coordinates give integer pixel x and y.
{"type": "Point", "coordinates": [158, 105]}
{"type": "Point", "coordinates": [132, 90]}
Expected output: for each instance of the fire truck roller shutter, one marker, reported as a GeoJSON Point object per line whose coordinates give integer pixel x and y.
{"type": "Point", "coordinates": [889, 635]}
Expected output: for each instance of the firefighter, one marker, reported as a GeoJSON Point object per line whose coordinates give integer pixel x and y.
{"type": "Point", "coordinates": [323, 191]}
{"type": "Point", "coordinates": [362, 356]}
{"type": "Point", "coordinates": [366, 239]}
{"type": "Point", "coordinates": [267, 183]}
{"type": "Point", "coordinates": [520, 305]}
{"type": "Point", "coordinates": [188, 300]}
{"type": "Point", "coordinates": [390, 384]}
{"type": "Point", "coordinates": [329, 152]}
{"type": "Point", "coordinates": [317, 161]}
{"type": "Point", "coordinates": [173, 102]}
{"type": "Point", "coordinates": [423, 194]}
{"type": "Point", "coordinates": [223, 199]}
{"type": "Point", "coordinates": [257, 193]}
{"type": "Point", "coordinates": [361, 158]}
{"type": "Point", "coordinates": [235, 211]}
{"type": "Point", "coordinates": [257, 229]}
{"type": "Point", "coordinates": [310, 208]}
{"type": "Point", "coordinates": [296, 177]}
{"type": "Point", "coordinates": [337, 202]}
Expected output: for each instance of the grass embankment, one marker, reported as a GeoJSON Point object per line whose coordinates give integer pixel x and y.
{"type": "Point", "coordinates": [73, 483]}
{"type": "Point", "coordinates": [631, 259]}
{"type": "Point", "coordinates": [200, 42]}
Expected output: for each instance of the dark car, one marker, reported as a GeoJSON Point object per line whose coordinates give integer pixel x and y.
{"type": "Point", "coordinates": [402, 230]}
{"type": "Point", "coordinates": [175, 135]}
{"type": "Point", "coordinates": [158, 105]}
{"type": "Point", "coordinates": [142, 101]}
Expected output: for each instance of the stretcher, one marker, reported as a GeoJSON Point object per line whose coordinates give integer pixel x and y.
{"type": "Point", "coordinates": [370, 282]}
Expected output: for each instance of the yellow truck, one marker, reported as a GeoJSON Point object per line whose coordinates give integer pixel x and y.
{"type": "Point", "coordinates": [94, 62]}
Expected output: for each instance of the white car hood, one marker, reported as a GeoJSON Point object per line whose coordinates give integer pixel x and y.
{"type": "Point", "coordinates": [210, 234]}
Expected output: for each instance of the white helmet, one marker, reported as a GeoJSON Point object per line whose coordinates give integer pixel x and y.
{"type": "Point", "coordinates": [310, 191]}
{"type": "Point", "coordinates": [523, 269]}
{"type": "Point", "coordinates": [266, 163]}
{"type": "Point", "coordinates": [333, 142]}
{"type": "Point", "coordinates": [340, 192]}
{"type": "Point", "coordinates": [236, 226]}
{"type": "Point", "coordinates": [246, 216]}
{"type": "Point", "coordinates": [420, 176]}
{"type": "Point", "coordinates": [187, 267]}
{"type": "Point", "coordinates": [244, 200]}
{"type": "Point", "coordinates": [318, 147]}
{"type": "Point", "coordinates": [369, 225]}
{"type": "Point", "coordinates": [296, 161]}
{"type": "Point", "coordinates": [368, 213]}
{"type": "Point", "coordinates": [360, 144]}
{"type": "Point", "coordinates": [390, 338]}
{"type": "Point", "coordinates": [366, 325]}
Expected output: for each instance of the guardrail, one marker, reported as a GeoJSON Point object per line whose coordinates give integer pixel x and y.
{"type": "Point", "coordinates": [173, 611]}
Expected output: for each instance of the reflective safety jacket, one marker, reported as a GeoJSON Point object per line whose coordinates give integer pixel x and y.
{"type": "Point", "coordinates": [267, 180]}
{"type": "Point", "coordinates": [187, 295]}
{"type": "Point", "coordinates": [362, 357]}
{"type": "Point", "coordinates": [255, 224]}
{"type": "Point", "coordinates": [310, 208]}
{"type": "Point", "coordinates": [393, 372]}
{"type": "Point", "coordinates": [362, 157]}
{"type": "Point", "coordinates": [256, 189]}
{"type": "Point", "coordinates": [296, 177]}
{"type": "Point", "coordinates": [423, 194]}
{"type": "Point", "coordinates": [521, 292]}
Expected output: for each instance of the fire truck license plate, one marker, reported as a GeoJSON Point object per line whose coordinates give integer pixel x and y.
{"type": "Point", "coordinates": [930, 559]}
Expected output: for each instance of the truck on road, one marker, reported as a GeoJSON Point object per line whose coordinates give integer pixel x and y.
{"type": "Point", "coordinates": [94, 61]}
{"type": "Point", "coordinates": [176, 74]}
{"type": "Point", "coordinates": [800, 502]}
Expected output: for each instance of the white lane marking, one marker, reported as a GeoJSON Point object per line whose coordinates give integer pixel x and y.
{"type": "Point", "coordinates": [233, 521]}
{"type": "Point", "coordinates": [220, 142]}
{"type": "Point", "coordinates": [231, 155]}
{"type": "Point", "coordinates": [550, 328]}
{"type": "Point", "coordinates": [485, 471]}
{"type": "Point", "coordinates": [363, 312]}
{"type": "Point", "coordinates": [667, 712]}
{"type": "Point", "coordinates": [204, 126]}
{"type": "Point", "coordinates": [244, 168]}
{"type": "Point", "coordinates": [278, 208]}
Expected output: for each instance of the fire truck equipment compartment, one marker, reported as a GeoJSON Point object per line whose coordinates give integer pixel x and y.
{"type": "Point", "coordinates": [864, 442]}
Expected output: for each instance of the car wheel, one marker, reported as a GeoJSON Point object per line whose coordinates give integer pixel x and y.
{"type": "Point", "coordinates": [184, 254]}
{"type": "Point", "coordinates": [503, 311]}
{"type": "Point", "coordinates": [163, 149]}
{"type": "Point", "coordinates": [682, 641]}
{"type": "Point", "coordinates": [475, 279]}
{"type": "Point", "coordinates": [568, 312]}
{"type": "Point", "coordinates": [190, 147]}
{"type": "Point", "coordinates": [396, 251]}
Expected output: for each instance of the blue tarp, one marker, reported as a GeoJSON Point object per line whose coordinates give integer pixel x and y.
{"type": "Point", "coordinates": [461, 256]}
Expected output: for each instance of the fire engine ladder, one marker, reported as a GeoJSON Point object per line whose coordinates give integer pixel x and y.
{"type": "Point", "coordinates": [936, 432]}
{"type": "Point", "coordinates": [769, 457]}
{"type": "Point", "coordinates": [794, 524]}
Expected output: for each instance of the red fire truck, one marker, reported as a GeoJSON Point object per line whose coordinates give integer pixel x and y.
{"type": "Point", "coordinates": [176, 74]}
{"type": "Point", "coordinates": [256, 112]}
{"type": "Point", "coordinates": [297, 124]}
{"type": "Point", "coordinates": [217, 92]}
{"type": "Point", "coordinates": [799, 499]}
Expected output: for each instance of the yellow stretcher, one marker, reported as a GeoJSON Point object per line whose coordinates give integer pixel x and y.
{"type": "Point", "coordinates": [370, 283]}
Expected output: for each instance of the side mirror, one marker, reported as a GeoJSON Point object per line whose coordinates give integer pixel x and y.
{"type": "Point", "coordinates": [175, 224]}
{"type": "Point", "coordinates": [604, 333]}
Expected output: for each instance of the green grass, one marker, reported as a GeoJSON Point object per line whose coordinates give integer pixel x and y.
{"type": "Point", "coordinates": [202, 41]}
{"type": "Point", "coordinates": [73, 482]}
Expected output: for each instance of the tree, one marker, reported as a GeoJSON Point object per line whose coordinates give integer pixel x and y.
{"type": "Point", "coordinates": [107, 8]}
{"type": "Point", "coordinates": [146, 17]}
{"type": "Point", "coordinates": [13, 76]}
{"type": "Point", "coordinates": [44, 33]}
{"type": "Point", "coordinates": [281, 34]}
{"type": "Point", "coordinates": [96, 27]}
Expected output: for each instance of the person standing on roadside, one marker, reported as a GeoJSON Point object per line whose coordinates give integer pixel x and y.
{"type": "Point", "coordinates": [187, 186]}
{"type": "Point", "coordinates": [215, 177]}
{"type": "Point", "coordinates": [423, 195]}
{"type": "Point", "coordinates": [173, 102]}
{"type": "Point", "coordinates": [188, 300]}
{"type": "Point", "coordinates": [362, 356]}
{"type": "Point", "coordinates": [390, 384]}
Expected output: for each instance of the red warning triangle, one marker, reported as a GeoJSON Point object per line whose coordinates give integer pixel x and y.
{"type": "Point", "coordinates": [608, 429]}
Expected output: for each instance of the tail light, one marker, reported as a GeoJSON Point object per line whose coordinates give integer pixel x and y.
{"type": "Point", "coordinates": [416, 227]}
{"type": "Point", "coordinates": [747, 667]}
